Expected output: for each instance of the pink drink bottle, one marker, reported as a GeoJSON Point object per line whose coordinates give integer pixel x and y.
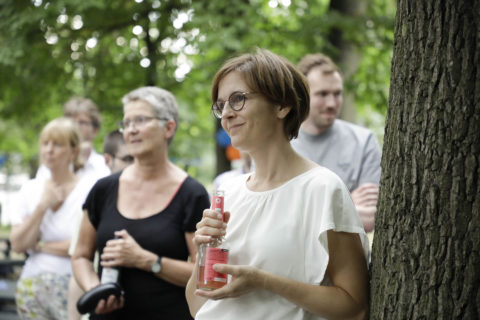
{"type": "Point", "coordinates": [216, 251]}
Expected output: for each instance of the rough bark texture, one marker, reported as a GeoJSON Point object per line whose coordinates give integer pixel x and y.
{"type": "Point", "coordinates": [426, 259]}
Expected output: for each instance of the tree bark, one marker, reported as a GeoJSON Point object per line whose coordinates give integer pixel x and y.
{"type": "Point", "coordinates": [426, 258]}
{"type": "Point", "coordinates": [348, 56]}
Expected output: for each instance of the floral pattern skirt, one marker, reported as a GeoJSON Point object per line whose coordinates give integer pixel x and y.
{"type": "Point", "coordinates": [43, 297]}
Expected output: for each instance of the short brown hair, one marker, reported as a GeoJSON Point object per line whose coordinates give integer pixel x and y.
{"type": "Point", "coordinates": [276, 79]}
{"type": "Point", "coordinates": [78, 105]}
{"type": "Point", "coordinates": [310, 61]}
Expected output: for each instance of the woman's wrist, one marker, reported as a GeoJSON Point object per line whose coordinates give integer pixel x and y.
{"type": "Point", "coordinates": [146, 260]}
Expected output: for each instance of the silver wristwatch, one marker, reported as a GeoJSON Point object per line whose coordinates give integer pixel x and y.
{"type": "Point", "coordinates": [156, 266]}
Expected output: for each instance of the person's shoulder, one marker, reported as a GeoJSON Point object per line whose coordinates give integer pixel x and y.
{"type": "Point", "coordinates": [322, 176]}
{"type": "Point", "coordinates": [105, 182]}
{"type": "Point", "coordinates": [33, 184]}
{"type": "Point", "coordinates": [357, 129]}
{"type": "Point", "coordinates": [88, 180]}
{"type": "Point", "coordinates": [192, 185]}
{"type": "Point", "coordinates": [352, 130]}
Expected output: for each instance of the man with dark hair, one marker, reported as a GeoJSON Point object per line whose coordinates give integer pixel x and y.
{"type": "Point", "coordinates": [351, 151]}
{"type": "Point", "coordinates": [115, 151]}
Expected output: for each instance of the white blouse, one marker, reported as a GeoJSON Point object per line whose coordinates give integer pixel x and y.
{"type": "Point", "coordinates": [283, 231]}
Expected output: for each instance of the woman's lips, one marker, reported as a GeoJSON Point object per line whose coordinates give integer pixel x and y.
{"type": "Point", "coordinates": [234, 126]}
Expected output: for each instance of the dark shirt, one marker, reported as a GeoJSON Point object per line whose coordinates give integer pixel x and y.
{"type": "Point", "coordinates": [147, 296]}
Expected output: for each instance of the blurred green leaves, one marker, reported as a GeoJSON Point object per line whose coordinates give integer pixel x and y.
{"type": "Point", "coordinates": [51, 50]}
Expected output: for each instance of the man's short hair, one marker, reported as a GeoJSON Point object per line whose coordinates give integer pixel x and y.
{"type": "Point", "coordinates": [310, 61]}
{"type": "Point", "coordinates": [78, 105]}
{"type": "Point", "coordinates": [112, 142]}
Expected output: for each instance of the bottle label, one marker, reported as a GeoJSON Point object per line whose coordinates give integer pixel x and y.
{"type": "Point", "coordinates": [214, 256]}
{"type": "Point", "coordinates": [217, 205]}
{"type": "Point", "coordinates": [109, 275]}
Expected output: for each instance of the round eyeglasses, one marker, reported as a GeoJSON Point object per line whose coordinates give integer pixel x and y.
{"type": "Point", "coordinates": [236, 101]}
{"type": "Point", "coordinates": [138, 122]}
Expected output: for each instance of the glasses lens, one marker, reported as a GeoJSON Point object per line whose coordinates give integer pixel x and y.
{"type": "Point", "coordinates": [217, 109]}
{"type": "Point", "coordinates": [236, 101]}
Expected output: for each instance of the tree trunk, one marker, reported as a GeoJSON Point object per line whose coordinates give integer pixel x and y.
{"type": "Point", "coordinates": [426, 258]}
{"type": "Point", "coordinates": [348, 56]}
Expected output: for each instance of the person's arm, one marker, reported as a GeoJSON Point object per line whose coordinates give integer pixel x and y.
{"type": "Point", "coordinates": [26, 235]}
{"type": "Point", "coordinates": [127, 252]}
{"type": "Point", "coordinates": [195, 302]}
{"type": "Point", "coordinates": [82, 258]}
{"type": "Point", "coordinates": [346, 298]}
{"type": "Point", "coordinates": [58, 248]}
{"type": "Point", "coordinates": [82, 263]}
{"type": "Point", "coordinates": [365, 198]}
{"type": "Point", "coordinates": [365, 195]}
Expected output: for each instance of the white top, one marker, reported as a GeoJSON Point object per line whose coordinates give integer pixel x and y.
{"type": "Point", "coordinates": [55, 226]}
{"type": "Point", "coordinates": [283, 231]}
{"type": "Point", "coordinates": [351, 151]}
{"type": "Point", "coordinates": [94, 167]}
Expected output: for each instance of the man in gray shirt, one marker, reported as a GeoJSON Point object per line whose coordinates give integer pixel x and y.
{"type": "Point", "coordinates": [351, 151]}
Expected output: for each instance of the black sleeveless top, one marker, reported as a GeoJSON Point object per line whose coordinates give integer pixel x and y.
{"type": "Point", "coordinates": [147, 296]}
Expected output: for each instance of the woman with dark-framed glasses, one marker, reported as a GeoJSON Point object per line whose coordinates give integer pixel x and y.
{"type": "Point", "coordinates": [298, 249]}
{"type": "Point", "coordinates": [152, 207]}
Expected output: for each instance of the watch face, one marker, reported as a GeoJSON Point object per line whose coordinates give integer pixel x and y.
{"type": "Point", "coordinates": [156, 266]}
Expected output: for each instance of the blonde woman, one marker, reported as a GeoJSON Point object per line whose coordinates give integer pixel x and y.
{"type": "Point", "coordinates": [43, 223]}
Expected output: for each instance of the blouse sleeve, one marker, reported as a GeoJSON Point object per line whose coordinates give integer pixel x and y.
{"type": "Point", "coordinates": [340, 215]}
{"type": "Point", "coordinates": [331, 209]}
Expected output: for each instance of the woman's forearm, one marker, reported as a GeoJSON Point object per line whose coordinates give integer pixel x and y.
{"type": "Point", "coordinates": [26, 235]}
{"type": "Point", "coordinates": [194, 302]}
{"type": "Point", "coordinates": [58, 248]}
{"type": "Point", "coordinates": [84, 273]}
{"type": "Point", "coordinates": [326, 301]}
{"type": "Point", "coordinates": [174, 271]}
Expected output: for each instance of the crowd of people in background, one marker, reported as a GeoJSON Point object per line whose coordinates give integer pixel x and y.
{"type": "Point", "coordinates": [298, 206]}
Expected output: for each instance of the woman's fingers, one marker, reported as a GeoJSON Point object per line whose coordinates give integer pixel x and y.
{"type": "Point", "coordinates": [210, 226]}
{"type": "Point", "coordinates": [111, 304]}
{"type": "Point", "coordinates": [211, 219]}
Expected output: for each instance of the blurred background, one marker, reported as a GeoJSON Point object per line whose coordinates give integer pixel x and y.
{"type": "Point", "coordinates": [101, 49]}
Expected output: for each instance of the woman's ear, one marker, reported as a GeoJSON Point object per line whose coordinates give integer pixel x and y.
{"type": "Point", "coordinates": [170, 126]}
{"type": "Point", "coordinates": [282, 112]}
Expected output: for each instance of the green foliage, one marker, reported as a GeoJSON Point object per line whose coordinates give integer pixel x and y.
{"type": "Point", "coordinates": [51, 50]}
